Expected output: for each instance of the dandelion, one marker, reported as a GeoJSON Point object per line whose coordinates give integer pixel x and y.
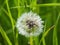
{"type": "Point", "coordinates": [29, 24]}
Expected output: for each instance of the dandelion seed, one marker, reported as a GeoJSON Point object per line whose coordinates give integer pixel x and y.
{"type": "Point", "coordinates": [29, 24]}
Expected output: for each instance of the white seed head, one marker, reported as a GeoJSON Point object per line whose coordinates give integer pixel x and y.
{"type": "Point", "coordinates": [29, 24]}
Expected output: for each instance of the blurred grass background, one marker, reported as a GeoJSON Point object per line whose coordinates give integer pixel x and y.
{"type": "Point", "coordinates": [10, 10]}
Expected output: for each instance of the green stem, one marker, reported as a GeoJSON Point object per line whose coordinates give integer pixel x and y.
{"type": "Point", "coordinates": [10, 16]}
{"type": "Point", "coordinates": [31, 40]}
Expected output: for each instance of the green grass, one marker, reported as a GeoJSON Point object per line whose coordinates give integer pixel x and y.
{"type": "Point", "coordinates": [10, 10]}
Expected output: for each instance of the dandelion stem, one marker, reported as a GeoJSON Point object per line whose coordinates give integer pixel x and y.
{"type": "Point", "coordinates": [31, 40]}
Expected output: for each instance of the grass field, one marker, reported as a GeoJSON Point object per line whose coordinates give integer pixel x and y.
{"type": "Point", "coordinates": [49, 11]}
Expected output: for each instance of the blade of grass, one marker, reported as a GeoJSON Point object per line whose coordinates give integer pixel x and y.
{"type": "Point", "coordinates": [55, 39]}
{"type": "Point", "coordinates": [11, 18]}
{"type": "Point", "coordinates": [40, 5]}
{"type": "Point", "coordinates": [49, 4]}
{"type": "Point", "coordinates": [36, 40]}
{"type": "Point", "coordinates": [4, 35]}
{"type": "Point", "coordinates": [44, 35]}
{"type": "Point", "coordinates": [16, 36]}
{"type": "Point", "coordinates": [18, 8]}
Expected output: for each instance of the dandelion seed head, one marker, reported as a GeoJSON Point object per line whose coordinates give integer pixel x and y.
{"type": "Point", "coordinates": [29, 24]}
